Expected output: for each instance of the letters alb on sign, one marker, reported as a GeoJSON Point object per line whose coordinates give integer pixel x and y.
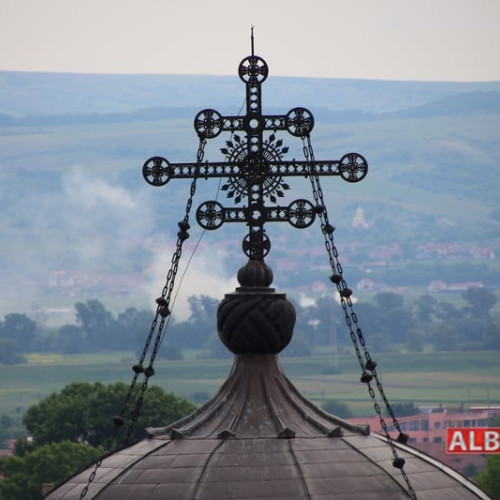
{"type": "Point", "coordinates": [480, 440]}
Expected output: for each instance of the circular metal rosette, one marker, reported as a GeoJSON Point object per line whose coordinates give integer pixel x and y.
{"type": "Point", "coordinates": [256, 244]}
{"type": "Point", "coordinates": [299, 122]}
{"type": "Point", "coordinates": [210, 215]}
{"type": "Point", "coordinates": [157, 171]}
{"type": "Point", "coordinates": [301, 214]}
{"type": "Point", "coordinates": [253, 69]}
{"type": "Point", "coordinates": [208, 123]}
{"type": "Point", "coordinates": [256, 169]}
{"type": "Point", "coordinates": [353, 167]}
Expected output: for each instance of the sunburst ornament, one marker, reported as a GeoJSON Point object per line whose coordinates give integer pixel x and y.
{"type": "Point", "coordinates": [255, 169]}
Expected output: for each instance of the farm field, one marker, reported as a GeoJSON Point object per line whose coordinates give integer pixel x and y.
{"type": "Point", "coordinates": [454, 378]}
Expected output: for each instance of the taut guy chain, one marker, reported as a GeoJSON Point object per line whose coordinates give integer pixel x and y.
{"type": "Point", "coordinates": [368, 365]}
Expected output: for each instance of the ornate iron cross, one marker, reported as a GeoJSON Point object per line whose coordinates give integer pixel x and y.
{"type": "Point", "coordinates": [254, 165]}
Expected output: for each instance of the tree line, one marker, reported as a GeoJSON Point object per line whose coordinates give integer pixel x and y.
{"type": "Point", "coordinates": [73, 428]}
{"type": "Point", "coordinates": [388, 322]}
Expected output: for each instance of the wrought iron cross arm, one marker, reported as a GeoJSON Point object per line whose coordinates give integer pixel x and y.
{"type": "Point", "coordinates": [300, 214]}
{"type": "Point", "coordinates": [157, 171]}
{"type": "Point", "coordinates": [352, 167]}
{"type": "Point", "coordinates": [209, 123]}
{"type": "Point", "coordinates": [268, 122]}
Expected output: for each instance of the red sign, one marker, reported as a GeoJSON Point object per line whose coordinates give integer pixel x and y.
{"type": "Point", "coordinates": [480, 440]}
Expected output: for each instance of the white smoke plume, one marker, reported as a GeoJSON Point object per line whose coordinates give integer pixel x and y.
{"type": "Point", "coordinates": [204, 272]}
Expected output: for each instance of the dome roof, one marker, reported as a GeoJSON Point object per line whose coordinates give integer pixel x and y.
{"type": "Point", "coordinates": [260, 438]}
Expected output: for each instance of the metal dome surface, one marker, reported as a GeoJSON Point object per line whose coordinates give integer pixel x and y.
{"type": "Point", "coordinates": [260, 438]}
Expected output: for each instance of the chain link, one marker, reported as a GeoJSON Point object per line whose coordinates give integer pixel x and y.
{"type": "Point", "coordinates": [163, 303]}
{"type": "Point", "coordinates": [367, 365]}
{"type": "Point", "coordinates": [158, 324]}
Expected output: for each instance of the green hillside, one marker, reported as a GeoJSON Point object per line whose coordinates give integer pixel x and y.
{"type": "Point", "coordinates": [73, 199]}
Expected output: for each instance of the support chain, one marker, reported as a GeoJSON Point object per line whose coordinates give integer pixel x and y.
{"type": "Point", "coordinates": [159, 324]}
{"type": "Point", "coordinates": [368, 365]}
{"type": "Point", "coordinates": [163, 311]}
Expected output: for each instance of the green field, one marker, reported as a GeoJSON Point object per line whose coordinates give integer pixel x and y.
{"type": "Point", "coordinates": [471, 378]}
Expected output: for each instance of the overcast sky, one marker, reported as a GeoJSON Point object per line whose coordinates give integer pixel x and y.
{"type": "Point", "coordinates": [382, 39]}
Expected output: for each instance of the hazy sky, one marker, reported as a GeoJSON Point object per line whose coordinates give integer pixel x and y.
{"type": "Point", "coordinates": [387, 39]}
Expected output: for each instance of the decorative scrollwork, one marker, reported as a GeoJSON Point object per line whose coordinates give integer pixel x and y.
{"type": "Point", "coordinates": [255, 170]}
{"type": "Point", "coordinates": [156, 171]}
{"type": "Point", "coordinates": [210, 215]}
{"type": "Point", "coordinates": [353, 167]}
{"type": "Point", "coordinates": [208, 123]}
{"type": "Point", "coordinates": [299, 122]}
{"type": "Point", "coordinates": [253, 69]}
{"type": "Point", "coordinates": [301, 214]}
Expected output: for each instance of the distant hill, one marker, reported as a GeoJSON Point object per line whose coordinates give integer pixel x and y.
{"type": "Point", "coordinates": [79, 221]}
{"type": "Point", "coordinates": [27, 94]}
{"type": "Point", "coordinates": [474, 102]}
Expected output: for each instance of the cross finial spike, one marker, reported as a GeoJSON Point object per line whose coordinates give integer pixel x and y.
{"type": "Point", "coordinates": [251, 29]}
